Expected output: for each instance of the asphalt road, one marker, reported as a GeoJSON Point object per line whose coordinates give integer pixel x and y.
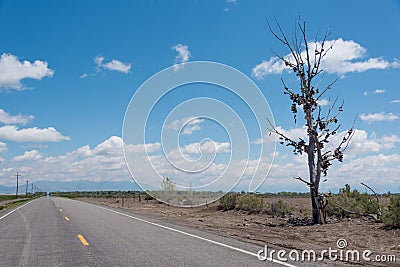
{"type": "Point", "coordinates": [64, 232]}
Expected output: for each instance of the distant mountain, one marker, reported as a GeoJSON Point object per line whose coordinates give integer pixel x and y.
{"type": "Point", "coordinates": [7, 189]}
{"type": "Point", "coordinates": [60, 186]}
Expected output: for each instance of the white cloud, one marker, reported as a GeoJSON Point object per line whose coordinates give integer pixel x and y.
{"type": "Point", "coordinates": [12, 133]}
{"type": "Point", "coordinates": [362, 143]}
{"type": "Point", "coordinates": [381, 116]}
{"type": "Point", "coordinates": [3, 147]}
{"type": "Point", "coordinates": [395, 101]}
{"type": "Point", "coordinates": [272, 66]}
{"type": "Point", "coordinates": [111, 146]}
{"type": "Point", "coordinates": [16, 119]}
{"type": "Point", "coordinates": [113, 65]}
{"type": "Point", "coordinates": [105, 162]}
{"type": "Point", "coordinates": [345, 57]}
{"type": "Point", "coordinates": [85, 75]}
{"type": "Point", "coordinates": [230, 1]}
{"type": "Point", "coordinates": [182, 57]}
{"type": "Point", "coordinates": [188, 125]}
{"type": "Point", "coordinates": [12, 71]}
{"type": "Point", "coordinates": [143, 148]}
{"type": "Point", "coordinates": [379, 91]}
{"type": "Point", "coordinates": [323, 102]}
{"type": "Point", "coordinates": [29, 155]}
{"type": "Point", "coordinates": [207, 147]}
{"type": "Point", "coordinates": [294, 134]}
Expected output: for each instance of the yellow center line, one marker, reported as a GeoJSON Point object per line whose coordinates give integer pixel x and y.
{"type": "Point", "coordinates": [66, 218]}
{"type": "Point", "coordinates": [83, 240]}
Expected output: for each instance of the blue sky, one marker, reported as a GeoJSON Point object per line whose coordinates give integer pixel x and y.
{"type": "Point", "coordinates": [64, 107]}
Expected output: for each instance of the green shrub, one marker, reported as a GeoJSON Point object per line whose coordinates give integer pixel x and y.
{"type": "Point", "coordinates": [391, 216]}
{"type": "Point", "coordinates": [351, 200]}
{"type": "Point", "coordinates": [228, 202]}
{"type": "Point", "coordinates": [249, 202]}
{"type": "Point", "coordinates": [281, 208]}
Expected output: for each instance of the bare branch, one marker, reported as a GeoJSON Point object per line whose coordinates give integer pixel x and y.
{"type": "Point", "coordinates": [371, 216]}
{"type": "Point", "coordinates": [377, 198]}
{"type": "Point", "coordinates": [304, 181]}
{"type": "Point", "coordinates": [283, 39]}
{"type": "Point", "coordinates": [326, 89]}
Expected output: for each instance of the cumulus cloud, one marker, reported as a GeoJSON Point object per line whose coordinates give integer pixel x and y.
{"type": "Point", "coordinates": [362, 143]}
{"type": "Point", "coordinates": [105, 162]}
{"type": "Point", "coordinates": [345, 57]}
{"type": "Point", "coordinates": [207, 147]}
{"type": "Point", "coordinates": [143, 148]}
{"type": "Point", "coordinates": [12, 71]}
{"type": "Point", "coordinates": [3, 147]}
{"type": "Point", "coordinates": [182, 57]}
{"type": "Point", "coordinates": [380, 116]}
{"type": "Point", "coordinates": [29, 155]}
{"type": "Point", "coordinates": [395, 101]}
{"type": "Point", "coordinates": [323, 102]}
{"type": "Point", "coordinates": [13, 133]}
{"type": "Point", "coordinates": [16, 119]}
{"type": "Point", "coordinates": [293, 133]}
{"type": "Point", "coordinates": [113, 65]}
{"type": "Point", "coordinates": [187, 125]}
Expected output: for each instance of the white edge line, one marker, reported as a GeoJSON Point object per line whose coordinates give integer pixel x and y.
{"type": "Point", "coordinates": [5, 215]}
{"type": "Point", "coordinates": [191, 235]}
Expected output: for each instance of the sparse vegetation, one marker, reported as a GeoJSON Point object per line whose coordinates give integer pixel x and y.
{"type": "Point", "coordinates": [391, 216]}
{"type": "Point", "coordinates": [97, 194]}
{"type": "Point", "coordinates": [255, 204]}
{"type": "Point", "coordinates": [281, 208]}
{"type": "Point", "coordinates": [352, 203]}
{"type": "Point", "coordinates": [228, 202]}
{"type": "Point", "coordinates": [250, 202]}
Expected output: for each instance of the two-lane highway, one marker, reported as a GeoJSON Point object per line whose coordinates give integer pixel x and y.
{"type": "Point", "coordinates": [37, 235]}
{"type": "Point", "coordinates": [64, 232]}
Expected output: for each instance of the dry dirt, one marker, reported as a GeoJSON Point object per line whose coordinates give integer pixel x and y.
{"type": "Point", "coordinates": [262, 229]}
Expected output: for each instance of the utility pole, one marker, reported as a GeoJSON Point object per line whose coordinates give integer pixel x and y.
{"type": "Point", "coordinates": [26, 191]}
{"type": "Point", "coordinates": [17, 175]}
{"type": "Point", "coordinates": [32, 188]}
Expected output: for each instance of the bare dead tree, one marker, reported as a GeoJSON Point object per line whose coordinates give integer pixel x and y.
{"type": "Point", "coordinates": [305, 59]}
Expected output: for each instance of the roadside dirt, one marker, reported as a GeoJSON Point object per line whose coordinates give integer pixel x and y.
{"type": "Point", "coordinates": [262, 229]}
{"type": "Point", "coordinates": [6, 204]}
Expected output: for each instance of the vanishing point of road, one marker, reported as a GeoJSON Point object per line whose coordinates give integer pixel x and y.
{"type": "Point", "coordinates": [63, 232]}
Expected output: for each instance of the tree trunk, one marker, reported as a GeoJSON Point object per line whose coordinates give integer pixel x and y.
{"type": "Point", "coordinates": [316, 207]}
{"type": "Point", "coordinates": [314, 175]}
